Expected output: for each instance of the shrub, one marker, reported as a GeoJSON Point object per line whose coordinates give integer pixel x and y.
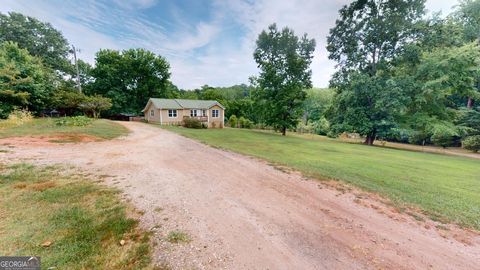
{"type": "Point", "coordinates": [417, 137]}
{"type": "Point", "coordinates": [443, 135]}
{"type": "Point", "coordinates": [322, 126]}
{"type": "Point", "coordinates": [302, 128]}
{"type": "Point", "coordinates": [472, 143]}
{"type": "Point", "coordinates": [76, 121]}
{"type": "Point", "coordinates": [245, 123]}
{"type": "Point", "coordinates": [20, 117]}
{"type": "Point", "coordinates": [17, 118]}
{"type": "Point", "coordinates": [192, 123]}
{"type": "Point", "coordinates": [232, 121]}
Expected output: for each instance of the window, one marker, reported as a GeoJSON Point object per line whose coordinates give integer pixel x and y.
{"type": "Point", "coordinates": [193, 113]}
{"type": "Point", "coordinates": [152, 113]}
{"type": "Point", "coordinates": [215, 113]}
{"type": "Point", "coordinates": [172, 113]}
{"type": "Point", "coordinates": [204, 112]}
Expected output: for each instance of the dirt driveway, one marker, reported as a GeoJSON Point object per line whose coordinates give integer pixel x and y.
{"type": "Point", "coordinates": [242, 213]}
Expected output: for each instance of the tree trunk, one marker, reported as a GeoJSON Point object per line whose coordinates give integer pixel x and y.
{"type": "Point", "coordinates": [469, 103]}
{"type": "Point", "coordinates": [284, 131]}
{"type": "Point", "coordinates": [370, 138]}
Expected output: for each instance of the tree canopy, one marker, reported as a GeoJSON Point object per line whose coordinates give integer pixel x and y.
{"type": "Point", "coordinates": [24, 81]}
{"type": "Point", "coordinates": [284, 61]}
{"type": "Point", "coordinates": [367, 38]}
{"type": "Point", "coordinates": [38, 38]}
{"type": "Point", "coordinates": [129, 78]}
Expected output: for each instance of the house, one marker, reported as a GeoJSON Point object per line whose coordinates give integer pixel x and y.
{"type": "Point", "coordinates": [173, 111]}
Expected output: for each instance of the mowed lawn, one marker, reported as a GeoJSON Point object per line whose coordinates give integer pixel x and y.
{"type": "Point", "coordinates": [446, 188]}
{"type": "Point", "coordinates": [100, 129]}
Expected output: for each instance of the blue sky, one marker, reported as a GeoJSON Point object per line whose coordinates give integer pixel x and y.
{"type": "Point", "coordinates": [206, 42]}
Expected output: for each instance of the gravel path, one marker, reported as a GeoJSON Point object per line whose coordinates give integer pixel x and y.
{"type": "Point", "coordinates": [242, 213]}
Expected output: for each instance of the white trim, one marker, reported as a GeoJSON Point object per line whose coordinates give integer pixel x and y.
{"type": "Point", "coordinates": [218, 113]}
{"type": "Point", "coordinates": [161, 120]}
{"type": "Point", "coordinates": [217, 104]}
{"type": "Point", "coordinates": [176, 113]}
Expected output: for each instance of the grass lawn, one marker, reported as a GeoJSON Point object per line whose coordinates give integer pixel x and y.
{"type": "Point", "coordinates": [446, 188]}
{"type": "Point", "coordinates": [99, 129]}
{"type": "Point", "coordinates": [81, 222]}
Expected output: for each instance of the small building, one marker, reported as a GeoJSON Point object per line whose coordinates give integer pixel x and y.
{"type": "Point", "coordinates": [173, 111]}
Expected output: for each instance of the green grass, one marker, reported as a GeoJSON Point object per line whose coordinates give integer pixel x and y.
{"type": "Point", "coordinates": [99, 129]}
{"type": "Point", "coordinates": [178, 237]}
{"type": "Point", "coordinates": [446, 188]}
{"type": "Point", "coordinates": [84, 221]}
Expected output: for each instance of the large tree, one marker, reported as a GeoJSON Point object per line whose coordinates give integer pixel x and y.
{"type": "Point", "coordinates": [24, 81]}
{"type": "Point", "coordinates": [39, 38]}
{"type": "Point", "coordinates": [468, 16]}
{"type": "Point", "coordinates": [129, 78]}
{"type": "Point", "coordinates": [284, 61]}
{"type": "Point", "coordinates": [366, 40]}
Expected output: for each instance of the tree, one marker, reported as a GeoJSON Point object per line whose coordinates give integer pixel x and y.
{"type": "Point", "coordinates": [316, 104]}
{"type": "Point", "coordinates": [468, 16]}
{"type": "Point", "coordinates": [39, 38]}
{"type": "Point", "coordinates": [95, 105]}
{"type": "Point", "coordinates": [284, 61]}
{"type": "Point", "coordinates": [452, 71]}
{"type": "Point", "coordinates": [24, 81]}
{"type": "Point", "coordinates": [365, 41]}
{"type": "Point", "coordinates": [68, 100]}
{"type": "Point", "coordinates": [366, 105]}
{"type": "Point", "coordinates": [129, 78]}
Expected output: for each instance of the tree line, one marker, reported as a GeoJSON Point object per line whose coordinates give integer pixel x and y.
{"type": "Point", "coordinates": [401, 75]}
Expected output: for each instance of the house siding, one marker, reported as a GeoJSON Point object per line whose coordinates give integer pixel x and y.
{"type": "Point", "coordinates": [161, 116]}
{"type": "Point", "coordinates": [149, 118]}
{"type": "Point", "coordinates": [172, 121]}
{"type": "Point", "coordinates": [218, 121]}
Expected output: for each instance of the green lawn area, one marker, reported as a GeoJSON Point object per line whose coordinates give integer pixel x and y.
{"type": "Point", "coordinates": [68, 220]}
{"type": "Point", "coordinates": [100, 129]}
{"type": "Point", "coordinates": [447, 188]}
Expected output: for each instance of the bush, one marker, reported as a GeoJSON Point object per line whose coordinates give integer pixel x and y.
{"type": "Point", "coordinates": [322, 126]}
{"type": "Point", "coordinates": [192, 123]}
{"type": "Point", "coordinates": [472, 143]}
{"type": "Point", "coordinates": [302, 128]}
{"type": "Point", "coordinates": [20, 117]}
{"type": "Point", "coordinates": [245, 123]}
{"type": "Point", "coordinates": [232, 121]}
{"type": "Point", "coordinates": [417, 137]}
{"type": "Point", "coordinates": [76, 121]}
{"type": "Point", "coordinates": [443, 135]}
{"type": "Point", "coordinates": [17, 118]}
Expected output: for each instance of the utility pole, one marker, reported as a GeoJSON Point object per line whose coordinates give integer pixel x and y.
{"type": "Point", "coordinates": [76, 67]}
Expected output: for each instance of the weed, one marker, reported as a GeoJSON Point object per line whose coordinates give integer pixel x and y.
{"type": "Point", "coordinates": [178, 237]}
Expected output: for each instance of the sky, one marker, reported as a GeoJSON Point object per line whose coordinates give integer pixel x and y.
{"type": "Point", "coordinates": [205, 42]}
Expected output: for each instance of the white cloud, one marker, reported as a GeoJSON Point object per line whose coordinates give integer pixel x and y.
{"type": "Point", "coordinates": [202, 53]}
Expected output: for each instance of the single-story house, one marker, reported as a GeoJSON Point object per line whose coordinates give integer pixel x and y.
{"type": "Point", "coordinates": [173, 111]}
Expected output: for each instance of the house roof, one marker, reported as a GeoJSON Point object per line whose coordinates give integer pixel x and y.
{"type": "Point", "coordinates": [162, 103]}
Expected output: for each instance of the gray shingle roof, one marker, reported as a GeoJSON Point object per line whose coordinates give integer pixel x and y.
{"type": "Point", "coordinates": [163, 103]}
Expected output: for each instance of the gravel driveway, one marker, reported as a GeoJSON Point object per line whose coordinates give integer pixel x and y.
{"type": "Point", "coordinates": [242, 213]}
